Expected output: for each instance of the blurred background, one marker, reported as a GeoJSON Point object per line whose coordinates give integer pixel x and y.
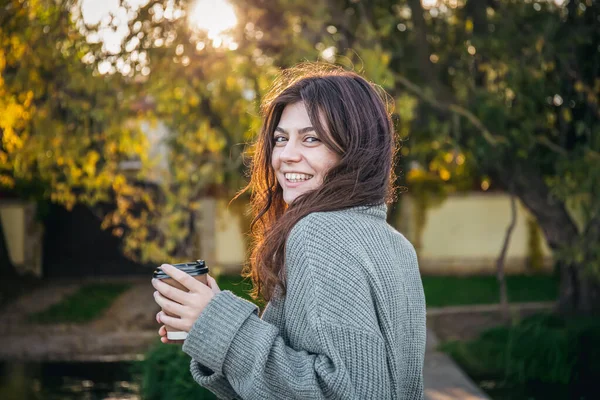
{"type": "Point", "coordinates": [126, 128]}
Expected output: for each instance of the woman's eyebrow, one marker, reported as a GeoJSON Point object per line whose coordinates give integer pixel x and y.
{"type": "Point", "coordinates": [300, 131]}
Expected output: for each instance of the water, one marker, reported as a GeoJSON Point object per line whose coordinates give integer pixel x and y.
{"type": "Point", "coordinates": [69, 380]}
{"type": "Point", "coordinates": [502, 390]}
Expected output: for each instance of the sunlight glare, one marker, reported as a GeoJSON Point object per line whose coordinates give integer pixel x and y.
{"type": "Point", "coordinates": [213, 16]}
{"type": "Point", "coordinates": [427, 4]}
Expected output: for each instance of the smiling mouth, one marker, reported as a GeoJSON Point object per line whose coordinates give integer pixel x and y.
{"type": "Point", "coordinates": [296, 178]}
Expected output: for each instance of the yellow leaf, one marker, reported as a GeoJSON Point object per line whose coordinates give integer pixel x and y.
{"type": "Point", "coordinates": [444, 174]}
{"type": "Point", "coordinates": [469, 25]}
{"type": "Point", "coordinates": [7, 181]}
{"type": "Point", "coordinates": [90, 163]}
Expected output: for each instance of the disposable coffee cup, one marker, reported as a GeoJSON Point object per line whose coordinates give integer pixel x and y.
{"type": "Point", "coordinates": [196, 269]}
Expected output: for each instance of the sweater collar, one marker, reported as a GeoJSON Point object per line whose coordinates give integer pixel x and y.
{"type": "Point", "coordinates": [376, 210]}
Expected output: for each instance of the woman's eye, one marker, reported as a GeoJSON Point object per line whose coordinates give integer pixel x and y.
{"type": "Point", "coordinates": [312, 139]}
{"type": "Point", "coordinates": [278, 139]}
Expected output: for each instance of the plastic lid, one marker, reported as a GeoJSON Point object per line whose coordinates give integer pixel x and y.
{"type": "Point", "coordinates": [197, 267]}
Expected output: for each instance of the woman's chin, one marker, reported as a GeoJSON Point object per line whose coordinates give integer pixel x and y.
{"type": "Point", "coordinates": [289, 198]}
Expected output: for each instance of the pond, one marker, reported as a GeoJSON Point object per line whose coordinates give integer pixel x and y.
{"type": "Point", "coordinates": [69, 380]}
{"type": "Point", "coordinates": [498, 389]}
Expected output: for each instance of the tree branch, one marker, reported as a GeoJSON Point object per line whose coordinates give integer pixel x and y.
{"type": "Point", "coordinates": [552, 146]}
{"type": "Point", "coordinates": [455, 108]}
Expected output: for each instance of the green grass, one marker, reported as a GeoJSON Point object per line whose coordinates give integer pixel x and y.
{"type": "Point", "coordinates": [236, 284]}
{"type": "Point", "coordinates": [443, 291]}
{"type": "Point", "coordinates": [85, 305]}
{"type": "Point", "coordinates": [239, 286]}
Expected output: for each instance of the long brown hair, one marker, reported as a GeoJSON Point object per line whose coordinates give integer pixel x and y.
{"type": "Point", "coordinates": [350, 116]}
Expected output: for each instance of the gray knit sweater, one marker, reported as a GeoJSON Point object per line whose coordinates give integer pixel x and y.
{"type": "Point", "coordinates": [351, 326]}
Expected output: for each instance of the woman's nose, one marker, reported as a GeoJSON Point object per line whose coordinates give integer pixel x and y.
{"type": "Point", "coordinates": [290, 153]}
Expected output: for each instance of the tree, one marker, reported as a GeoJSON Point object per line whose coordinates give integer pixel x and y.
{"type": "Point", "coordinates": [63, 126]}
{"type": "Point", "coordinates": [512, 84]}
{"type": "Point", "coordinates": [533, 82]}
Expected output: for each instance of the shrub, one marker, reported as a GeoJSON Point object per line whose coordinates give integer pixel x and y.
{"type": "Point", "coordinates": [543, 348]}
{"type": "Point", "coordinates": [539, 349]}
{"type": "Point", "coordinates": [166, 375]}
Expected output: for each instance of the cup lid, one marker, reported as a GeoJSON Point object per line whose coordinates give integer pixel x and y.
{"type": "Point", "coordinates": [197, 267]}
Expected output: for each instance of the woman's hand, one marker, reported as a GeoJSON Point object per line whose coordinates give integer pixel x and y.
{"type": "Point", "coordinates": [185, 306]}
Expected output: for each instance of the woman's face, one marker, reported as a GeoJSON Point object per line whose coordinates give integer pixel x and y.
{"type": "Point", "coordinates": [300, 159]}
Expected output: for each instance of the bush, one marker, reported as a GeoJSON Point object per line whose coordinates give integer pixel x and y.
{"type": "Point", "coordinates": [166, 375]}
{"type": "Point", "coordinates": [540, 349]}
{"type": "Point", "coordinates": [543, 348]}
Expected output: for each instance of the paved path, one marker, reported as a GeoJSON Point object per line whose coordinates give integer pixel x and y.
{"type": "Point", "coordinates": [124, 332]}
{"type": "Point", "coordinates": [444, 380]}
{"type": "Point", "coordinates": [128, 328]}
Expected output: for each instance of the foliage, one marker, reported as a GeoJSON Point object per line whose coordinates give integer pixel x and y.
{"type": "Point", "coordinates": [542, 348]}
{"type": "Point", "coordinates": [61, 124]}
{"type": "Point", "coordinates": [186, 84]}
{"type": "Point", "coordinates": [86, 304]}
{"type": "Point", "coordinates": [500, 91]}
{"type": "Point", "coordinates": [166, 375]}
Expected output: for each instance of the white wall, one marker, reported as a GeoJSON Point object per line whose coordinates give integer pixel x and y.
{"type": "Point", "coordinates": [466, 232]}
{"type": "Point", "coordinates": [464, 235]}
{"type": "Point", "coordinates": [23, 235]}
{"type": "Point", "coordinates": [230, 245]}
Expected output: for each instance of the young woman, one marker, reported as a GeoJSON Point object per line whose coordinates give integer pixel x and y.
{"type": "Point", "coordinates": [345, 317]}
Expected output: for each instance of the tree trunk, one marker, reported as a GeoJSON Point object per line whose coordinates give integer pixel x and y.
{"type": "Point", "coordinates": [579, 293]}
{"type": "Point", "coordinates": [589, 283]}
{"type": "Point", "coordinates": [500, 262]}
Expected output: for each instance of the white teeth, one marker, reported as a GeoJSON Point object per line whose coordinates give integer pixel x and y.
{"type": "Point", "coordinates": [297, 177]}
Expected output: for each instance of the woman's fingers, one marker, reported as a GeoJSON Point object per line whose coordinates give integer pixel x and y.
{"type": "Point", "coordinates": [185, 307]}
{"type": "Point", "coordinates": [169, 291]}
{"type": "Point", "coordinates": [169, 306]}
{"type": "Point", "coordinates": [176, 323]}
{"type": "Point", "coordinates": [213, 284]}
{"type": "Point", "coordinates": [162, 331]}
{"type": "Point", "coordinates": [185, 279]}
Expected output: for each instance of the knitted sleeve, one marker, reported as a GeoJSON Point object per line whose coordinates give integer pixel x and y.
{"type": "Point", "coordinates": [346, 355]}
{"type": "Point", "coordinates": [216, 383]}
